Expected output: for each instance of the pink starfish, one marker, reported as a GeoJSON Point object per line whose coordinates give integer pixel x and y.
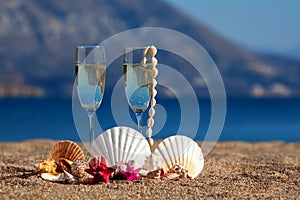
{"type": "Point", "coordinates": [99, 171]}
{"type": "Point", "coordinates": [130, 173]}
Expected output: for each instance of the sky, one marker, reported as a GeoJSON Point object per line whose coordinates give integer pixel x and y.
{"type": "Point", "coordinates": [271, 26]}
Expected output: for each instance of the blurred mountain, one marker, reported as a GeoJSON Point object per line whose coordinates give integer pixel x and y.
{"type": "Point", "coordinates": [294, 53]}
{"type": "Point", "coordinates": [38, 39]}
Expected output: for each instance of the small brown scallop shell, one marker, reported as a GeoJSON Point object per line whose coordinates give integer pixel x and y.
{"type": "Point", "coordinates": [66, 150]}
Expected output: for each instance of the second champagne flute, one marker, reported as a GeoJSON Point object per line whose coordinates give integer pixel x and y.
{"type": "Point", "coordinates": [137, 81]}
{"type": "Point", "coordinates": [90, 69]}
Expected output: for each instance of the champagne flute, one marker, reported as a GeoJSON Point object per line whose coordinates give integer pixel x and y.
{"type": "Point", "coordinates": [137, 81]}
{"type": "Point", "coordinates": [90, 70]}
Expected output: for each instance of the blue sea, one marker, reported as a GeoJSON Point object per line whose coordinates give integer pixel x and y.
{"type": "Point", "coordinates": [251, 120]}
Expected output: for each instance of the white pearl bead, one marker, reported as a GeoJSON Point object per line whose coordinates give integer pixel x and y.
{"type": "Point", "coordinates": [152, 50]}
{"type": "Point", "coordinates": [144, 61]}
{"type": "Point", "coordinates": [151, 112]}
{"type": "Point", "coordinates": [146, 51]}
{"type": "Point", "coordinates": [154, 61]}
{"type": "Point", "coordinates": [150, 122]}
{"type": "Point", "coordinates": [154, 92]}
{"type": "Point", "coordinates": [153, 102]}
{"type": "Point", "coordinates": [154, 83]}
{"type": "Point", "coordinates": [154, 72]}
{"type": "Point", "coordinates": [149, 132]}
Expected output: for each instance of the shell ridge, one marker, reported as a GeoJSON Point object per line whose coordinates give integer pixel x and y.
{"type": "Point", "coordinates": [63, 149]}
{"type": "Point", "coordinates": [160, 153]}
{"type": "Point", "coordinates": [122, 139]}
{"type": "Point", "coordinates": [140, 150]}
{"type": "Point", "coordinates": [190, 163]}
{"type": "Point", "coordinates": [196, 163]}
{"type": "Point", "coordinates": [169, 151]}
{"type": "Point", "coordinates": [56, 148]}
{"type": "Point", "coordinates": [73, 152]}
{"type": "Point", "coordinates": [109, 145]}
{"type": "Point", "coordinates": [99, 147]}
{"type": "Point", "coordinates": [178, 147]}
{"type": "Point", "coordinates": [130, 149]}
{"type": "Point", "coordinates": [133, 150]}
{"type": "Point", "coordinates": [161, 148]}
{"type": "Point", "coordinates": [106, 153]}
{"type": "Point", "coordinates": [126, 147]}
{"type": "Point", "coordinates": [185, 150]}
{"type": "Point", "coordinates": [115, 143]}
{"type": "Point", "coordinates": [66, 149]}
{"type": "Point", "coordinates": [181, 146]}
{"type": "Point", "coordinates": [139, 142]}
{"type": "Point", "coordinates": [200, 159]}
{"type": "Point", "coordinates": [69, 150]}
{"type": "Point", "coordinates": [175, 155]}
{"type": "Point", "coordinates": [122, 144]}
{"type": "Point", "coordinates": [165, 153]}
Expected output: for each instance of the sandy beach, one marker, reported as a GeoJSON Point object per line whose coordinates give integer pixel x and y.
{"type": "Point", "coordinates": [232, 170]}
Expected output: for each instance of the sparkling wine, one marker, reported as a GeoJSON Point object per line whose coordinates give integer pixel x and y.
{"type": "Point", "coordinates": [90, 82]}
{"type": "Point", "coordinates": [137, 83]}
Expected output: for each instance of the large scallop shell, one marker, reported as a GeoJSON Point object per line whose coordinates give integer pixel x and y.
{"type": "Point", "coordinates": [181, 150]}
{"type": "Point", "coordinates": [67, 150]}
{"type": "Point", "coordinates": [121, 144]}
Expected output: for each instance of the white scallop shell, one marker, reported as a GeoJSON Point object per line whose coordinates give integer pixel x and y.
{"type": "Point", "coordinates": [181, 150]}
{"type": "Point", "coordinates": [121, 144]}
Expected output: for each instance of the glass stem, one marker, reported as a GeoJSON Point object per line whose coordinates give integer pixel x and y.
{"type": "Point", "coordinates": [91, 115]}
{"type": "Point", "coordinates": [139, 121]}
